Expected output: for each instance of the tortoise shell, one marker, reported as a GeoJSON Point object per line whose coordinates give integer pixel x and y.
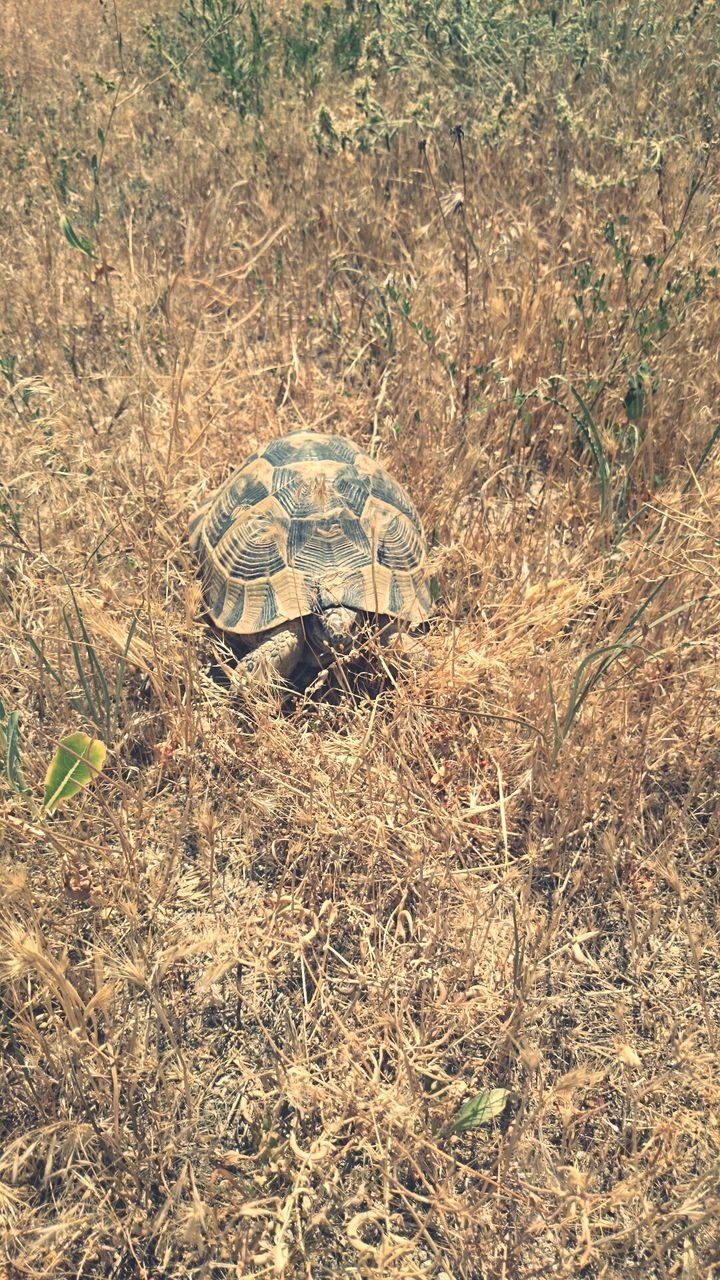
{"type": "Point", "coordinates": [308, 523]}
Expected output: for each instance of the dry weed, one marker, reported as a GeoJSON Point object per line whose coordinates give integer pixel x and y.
{"type": "Point", "coordinates": [248, 980]}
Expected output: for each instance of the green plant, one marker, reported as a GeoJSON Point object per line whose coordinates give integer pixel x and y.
{"type": "Point", "coordinates": [77, 762]}
{"type": "Point", "coordinates": [75, 238]}
{"type": "Point", "coordinates": [10, 748]}
{"type": "Point", "coordinates": [480, 1110]}
{"type": "Point", "coordinates": [592, 669]}
{"type": "Point", "coordinates": [100, 704]}
{"type": "Point", "coordinates": [303, 42]}
{"type": "Point", "coordinates": [235, 39]}
{"type": "Point", "coordinates": [98, 697]}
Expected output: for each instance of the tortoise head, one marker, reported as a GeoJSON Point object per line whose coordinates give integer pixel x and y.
{"type": "Point", "coordinates": [333, 631]}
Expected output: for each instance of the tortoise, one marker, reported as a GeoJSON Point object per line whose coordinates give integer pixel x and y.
{"type": "Point", "coordinates": [303, 546]}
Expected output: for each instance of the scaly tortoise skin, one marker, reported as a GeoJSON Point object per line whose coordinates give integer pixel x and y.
{"type": "Point", "coordinates": [305, 540]}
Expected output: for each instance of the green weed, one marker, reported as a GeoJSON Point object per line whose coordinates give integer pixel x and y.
{"type": "Point", "coordinates": [234, 40]}
{"type": "Point", "coordinates": [10, 749]}
{"type": "Point", "coordinates": [99, 697]}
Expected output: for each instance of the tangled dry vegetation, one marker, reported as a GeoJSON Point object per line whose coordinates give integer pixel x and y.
{"type": "Point", "coordinates": [251, 977]}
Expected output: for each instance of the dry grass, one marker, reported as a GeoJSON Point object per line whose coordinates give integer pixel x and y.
{"type": "Point", "coordinates": [248, 980]}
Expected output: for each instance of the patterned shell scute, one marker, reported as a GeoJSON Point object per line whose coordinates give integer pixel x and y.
{"type": "Point", "coordinates": [309, 522]}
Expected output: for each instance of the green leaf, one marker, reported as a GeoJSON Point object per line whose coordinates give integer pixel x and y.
{"type": "Point", "coordinates": [74, 238]}
{"type": "Point", "coordinates": [76, 762]}
{"type": "Point", "coordinates": [635, 397]}
{"type": "Point", "coordinates": [10, 746]}
{"type": "Point", "coordinates": [479, 1110]}
{"type": "Point", "coordinates": [592, 437]}
{"type": "Point", "coordinates": [12, 761]}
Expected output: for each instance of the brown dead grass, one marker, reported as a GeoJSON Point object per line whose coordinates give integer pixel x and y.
{"type": "Point", "coordinates": [249, 978]}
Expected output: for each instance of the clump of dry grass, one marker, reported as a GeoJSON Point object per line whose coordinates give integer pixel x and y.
{"type": "Point", "coordinates": [248, 980]}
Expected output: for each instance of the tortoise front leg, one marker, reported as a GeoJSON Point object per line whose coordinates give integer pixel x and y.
{"type": "Point", "coordinates": [277, 657]}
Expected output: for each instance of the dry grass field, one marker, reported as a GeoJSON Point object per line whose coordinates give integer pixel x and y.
{"type": "Point", "coordinates": [256, 979]}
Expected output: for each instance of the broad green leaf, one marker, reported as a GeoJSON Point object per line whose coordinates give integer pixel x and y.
{"type": "Point", "coordinates": [74, 237]}
{"type": "Point", "coordinates": [635, 397]}
{"type": "Point", "coordinates": [76, 762]}
{"type": "Point", "coordinates": [479, 1110]}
